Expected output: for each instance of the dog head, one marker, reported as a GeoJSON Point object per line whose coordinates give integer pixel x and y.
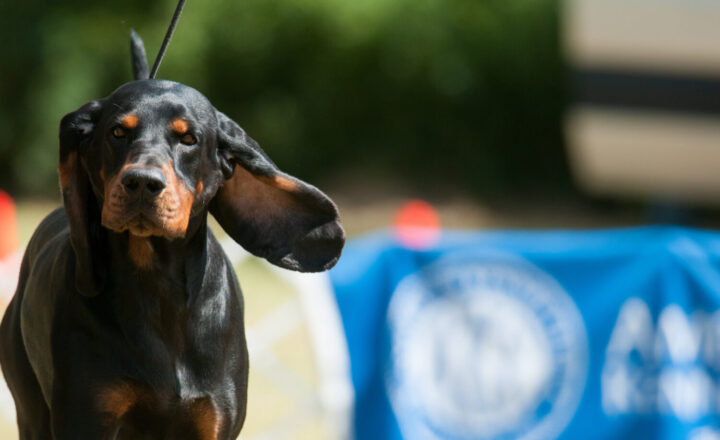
{"type": "Point", "coordinates": [149, 158]}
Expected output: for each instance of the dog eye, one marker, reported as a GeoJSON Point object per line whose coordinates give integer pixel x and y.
{"type": "Point", "coordinates": [188, 139]}
{"type": "Point", "coordinates": [118, 132]}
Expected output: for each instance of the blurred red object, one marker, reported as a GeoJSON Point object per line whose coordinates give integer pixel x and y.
{"type": "Point", "coordinates": [417, 225]}
{"type": "Point", "coordinates": [9, 242]}
{"type": "Point", "coordinates": [10, 252]}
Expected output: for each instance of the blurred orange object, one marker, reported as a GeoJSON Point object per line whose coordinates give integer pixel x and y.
{"type": "Point", "coordinates": [417, 225]}
{"type": "Point", "coordinates": [9, 242]}
{"type": "Point", "coordinates": [10, 252]}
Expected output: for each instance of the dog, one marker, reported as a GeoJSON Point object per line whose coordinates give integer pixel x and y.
{"type": "Point", "coordinates": [127, 321]}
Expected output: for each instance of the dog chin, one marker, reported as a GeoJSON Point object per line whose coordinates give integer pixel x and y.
{"type": "Point", "coordinates": [145, 227]}
{"type": "Point", "coordinates": [138, 226]}
{"type": "Point", "coordinates": [142, 231]}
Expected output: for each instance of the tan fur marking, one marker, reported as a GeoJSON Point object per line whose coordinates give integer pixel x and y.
{"type": "Point", "coordinates": [179, 200]}
{"type": "Point", "coordinates": [206, 419]}
{"type": "Point", "coordinates": [256, 198]}
{"type": "Point", "coordinates": [179, 126]}
{"type": "Point", "coordinates": [113, 204]}
{"type": "Point", "coordinates": [199, 187]}
{"type": "Point", "coordinates": [67, 169]}
{"type": "Point", "coordinates": [102, 175]}
{"type": "Point", "coordinates": [284, 183]}
{"type": "Point", "coordinates": [129, 121]}
{"type": "Point", "coordinates": [117, 400]}
{"type": "Point", "coordinates": [141, 251]}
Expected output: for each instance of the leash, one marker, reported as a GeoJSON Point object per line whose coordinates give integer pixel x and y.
{"type": "Point", "coordinates": [168, 36]}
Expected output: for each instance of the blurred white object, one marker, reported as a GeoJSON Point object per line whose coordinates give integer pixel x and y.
{"type": "Point", "coordinates": [665, 35]}
{"type": "Point", "coordinates": [645, 120]}
{"type": "Point", "coordinates": [9, 272]}
{"type": "Point", "coordinates": [670, 157]}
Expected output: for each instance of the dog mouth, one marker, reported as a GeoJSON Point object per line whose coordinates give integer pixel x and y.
{"type": "Point", "coordinates": [142, 226]}
{"type": "Point", "coordinates": [145, 220]}
{"type": "Point", "coordinates": [139, 222]}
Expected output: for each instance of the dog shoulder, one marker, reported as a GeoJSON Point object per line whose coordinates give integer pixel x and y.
{"type": "Point", "coordinates": [50, 243]}
{"type": "Point", "coordinates": [50, 232]}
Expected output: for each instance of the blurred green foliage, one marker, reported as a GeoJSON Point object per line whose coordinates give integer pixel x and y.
{"type": "Point", "coordinates": [464, 92]}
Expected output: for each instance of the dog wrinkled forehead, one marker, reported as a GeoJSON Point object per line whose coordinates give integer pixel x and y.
{"type": "Point", "coordinates": [161, 97]}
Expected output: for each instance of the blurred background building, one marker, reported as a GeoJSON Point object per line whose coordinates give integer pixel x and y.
{"type": "Point", "coordinates": [503, 115]}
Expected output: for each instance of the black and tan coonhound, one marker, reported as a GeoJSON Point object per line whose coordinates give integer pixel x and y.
{"type": "Point", "coordinates": [127, 322]}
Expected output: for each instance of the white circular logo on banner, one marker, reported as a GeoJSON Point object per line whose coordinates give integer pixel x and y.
{"type": "Point", "coordinates": [484, 350]}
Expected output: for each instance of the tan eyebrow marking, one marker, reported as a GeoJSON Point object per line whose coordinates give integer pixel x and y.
{"type": "Point", "coordinates": [179, 126]}
{"type": "Point", "coordinates": [129, 121]}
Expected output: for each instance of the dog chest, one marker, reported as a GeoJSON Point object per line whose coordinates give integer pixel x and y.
{"type": "Point", "coordinates": [131, 408]}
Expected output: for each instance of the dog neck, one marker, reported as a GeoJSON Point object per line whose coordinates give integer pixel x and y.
{"type": "Point", "coordinates": [150, 259]}
{"type": "Point", "coordinates": [152, 305]}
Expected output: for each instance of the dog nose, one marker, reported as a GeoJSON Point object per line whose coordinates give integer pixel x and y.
{"type": "Point", "coordinates": [143, 181]}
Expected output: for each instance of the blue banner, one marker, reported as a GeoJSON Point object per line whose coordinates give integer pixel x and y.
{"type": "Point", "coordinates": [535, 335]}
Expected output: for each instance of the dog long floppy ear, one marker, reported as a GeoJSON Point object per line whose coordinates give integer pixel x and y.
{"type": "Point", "coordinates": [139, 58]}
{"type": "Point", "coordinates": [272, 214]}
{"type": "Point", "coordinates": [80, 205]}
